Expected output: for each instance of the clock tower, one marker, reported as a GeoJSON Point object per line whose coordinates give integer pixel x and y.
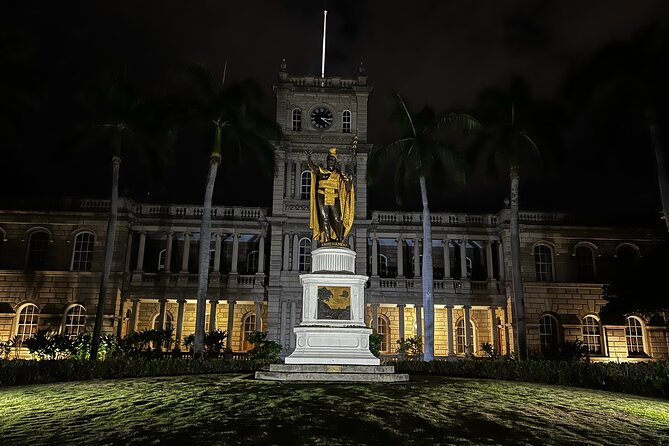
{"type": "Point", "coordinates": [315, 113]}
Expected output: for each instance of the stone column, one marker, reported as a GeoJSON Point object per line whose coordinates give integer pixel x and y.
{"type": "Point", "coordinates": [168, 251]}
{"type": "Point", "coordinates": [463, 258]}
{"type": "Point", "coordinates": [128, 253]}
{"type": "Point", "coordinates": [291, 180]}
{"type": "Point", "coordinates": [282, 324]}
{"type": "Point", "coordinates": [375, 257]}
{"type": "Point", "coordinates": [447, 258]}
{"type": "Point", "coordinates": [212, 315]}
{"type": "Point", "coordinates": [180, 322]}
{"type": "Point", "coordinates": [416, 258]}
{"type": "Point", "coordinates": [140, 252]}
{"type": "Point", "coordinates": [121, 310]}
{"type": "Point", "coordinates": [162, 314]}
{"type": "Point", "coordinates": [494, 341]}
{"type": "Point", "coordinates": [400, 308]}
{"type": "Point", "coordinates": [231, 321]}
{"type": "Point", "coordinates": [258, 316]}
{"type": "Point", "coordinates": [419, 321]}
{"type": "Point", "coordinates": [507, 341]}
{"type": "Point", "coordinates": [261, 255]}
{"type": "Point", "coordinates": [186, 253]}
{"type": "Point", "coordinates": [468, 331]}
{"type": "Point", "coordinates": [298, 180]}
{"type": "Point", "coordinates": [286, 252]}
{"type": "Point", "coordinates": [235, 253]}
{"type": "Point", "coordinates": [375, 317]}
{"type": "Point", "coordinates": [400, 257]}
{"type": "Point", "coordinates": [488, 259]}
{"type": "Point", "coordinates": [293, 318]}
{"type": "Point", "coordinates": [217, 252]}
{"type": "Point", "coordinates": [449, 329]}
{"type": "Point", "coordinates": [296, 253]}
{"type": "Point", "coordinates": [500, 255]}
{"type": "Point", "coordinates": [134, 316]}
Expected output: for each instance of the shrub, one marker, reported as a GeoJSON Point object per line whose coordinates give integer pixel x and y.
{"type": "Point", "coordinates": [19, 372]}
{"type": "Point", "coordinates": [375, 344]}
{"type": "Point", "coordinates": [566, 351]}
{"type": "Point", "coordinates": [645, 378]}
{"type": "Point", "coordinates": [46, 344]}
{"type": "Point", "coordinates": [214, 342]}
{"type": "Point", "coordinates": [263, 350]}
{"type": "Point", "coordinates": [410, 348]}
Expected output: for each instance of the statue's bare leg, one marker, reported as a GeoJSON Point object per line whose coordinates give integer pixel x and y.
{"type": "Point", "coordinates": [338, 226]}
{"type": "Point", "coordinates": [325, 217]}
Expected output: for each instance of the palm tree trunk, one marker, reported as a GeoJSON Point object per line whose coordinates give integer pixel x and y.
{"type": "Point", "coordinates": [109, 255]}
{"type": "Point", "coordinates": [428, 283]}
{"type": "Point", "coordinates": [518, 286]}
{"type": "Point", "coordinates": [203, 268]}
{"type": "Point", "coordinates": [661, 169]}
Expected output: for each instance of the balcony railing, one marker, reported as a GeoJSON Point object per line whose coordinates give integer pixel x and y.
{"type": "Point", "coordinates": [439, 219]}
{"type": "Point", "coordinates": [185, 280]}
{"type": "Point", "coordinates": [440, 286]}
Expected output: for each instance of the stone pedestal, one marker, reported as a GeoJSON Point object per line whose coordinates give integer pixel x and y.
{"type": "Point", "coordinates": [333, 330]}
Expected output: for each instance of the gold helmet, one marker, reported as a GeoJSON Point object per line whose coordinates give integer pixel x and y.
{"type": "Point", "coordinates": [332, 151]}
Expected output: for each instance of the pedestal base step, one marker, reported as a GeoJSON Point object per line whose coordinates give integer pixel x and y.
{"type": "Point", "coordinates": [332, 373]}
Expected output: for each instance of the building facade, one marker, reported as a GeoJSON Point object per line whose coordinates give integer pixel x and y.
{"type": "Point", "coordinates": [51, 261]}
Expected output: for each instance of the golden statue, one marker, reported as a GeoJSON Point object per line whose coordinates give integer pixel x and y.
{"type": "Point", "coordinates": [332, 201]}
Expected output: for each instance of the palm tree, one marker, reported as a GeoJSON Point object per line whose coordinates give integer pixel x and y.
{"type": "Point", "coordinates": [230, 113]}
{"type": "Point", "coordinates": [123, 108]}
{"type": "Point", "coordinates": [420, 156]}
{"type": "Point", "coordinates": [505, 146]}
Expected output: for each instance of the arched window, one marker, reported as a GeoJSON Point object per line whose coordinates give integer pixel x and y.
{"type": "Point", "coordinates": [346, 121]}
{"type": "Point", "coordinates": [543, 261]}
{"type": "Point", "coordinates": [383, 265]}
{"type": "Point", "coordinates": [37, 245]}
{"type": "Point", "coordinates": [305, 185]}
{"type": "Point", "coordinates": [634, 336]}
{"type": "Point", "coordinates": [27, 322]}
{"type": "Point", "coordinates": [248, 327]}
{"type": "Point", "coordinates": [420, 263]}
{"type": "Point", "coordinates": [169, 321]}
{"type": "Point", "coordinates": [83, 251]}
{"type": "Point", "coordinates": [75, 321]}
{"type": "Point", "coordinates": [304, 254]}
{"type": "Point", "coordinates": [297, 120]}
{"type": "Point", "coordinates": [383, 329]}
{"type": "Point", "coordinates": [460, 338]}
{"type": "Point", "coordinates": [549, 333]}
{"type": "Point", "coordinates": [592, 337]}
{"type": "Point", "coordinates": [252, 262]}
{"type": "Point", "coordinates": [585, 263]}
{"type": "Point", "coordinates": [161, 259]}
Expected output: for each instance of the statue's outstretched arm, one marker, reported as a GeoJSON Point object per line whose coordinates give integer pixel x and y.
{"type": "Point", "coordinates": [312, 166]}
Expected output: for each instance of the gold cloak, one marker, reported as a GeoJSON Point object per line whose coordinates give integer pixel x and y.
{"type": "Point", "coordinates": [346, 207]}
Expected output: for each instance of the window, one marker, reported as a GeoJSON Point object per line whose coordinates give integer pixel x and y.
{"type": "Point", "coordinates": [543, 261]}
{"type": "Point", "coordinates": [304, 260]}
{"type": "Point", "coordinates": [548, 332]}
{"type": "Point", "coordinates": [634, 336]}
{"type": "Point", "coordinates": [75, 321]}
{"type": "Point", "coordinates": [346, 122]}
{"type": "Point", "coordinates": [212, 259]}
{"type": "Point", "coordinates": [206, 322]}
{"type": "Point", "coordinates": [591, 335]}
{"type": "Point", "coordinates": [39, 240]}
{"type": "Point", "coordinates": [27, 323]}
{"type": "Point", "coordinates": [460, 339]}
{"type": "Point", "coordinates": [305, 185]}
{"type": "Point", "coordinates": [252, 262]}
{"type": "Point", "coordinates": [161, 259]}
{"type": "Point", "coordinates": [585, 263]}
{"type": "Point", "coordinates": [169, 321]}
{"type": "Point", "coordinates": [248, 327]}
{"type": "Point", "coordinates": [420, 264]}
{"type": "Point", "coordinates": [383, 329]}
{"type": "Point", "coordinates": [83, 251]}
{"type": "Point", "coordinates": [383, 265]}
{"type": "Point", "coordinates": [297, 120]}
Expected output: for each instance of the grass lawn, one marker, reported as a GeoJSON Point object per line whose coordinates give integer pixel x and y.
{"type": "Point", "coordinates": [232, 409]}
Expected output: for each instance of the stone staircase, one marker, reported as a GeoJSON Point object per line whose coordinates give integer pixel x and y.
{"type": "Point", "coordinates": [332, 373]}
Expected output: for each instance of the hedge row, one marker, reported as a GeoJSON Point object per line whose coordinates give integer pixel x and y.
{"type": "Point", "coordinates": [18, 372]}
{"type": "Point", "coordinates": [644, 378]}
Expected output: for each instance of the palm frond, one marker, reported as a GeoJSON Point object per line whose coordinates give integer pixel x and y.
{"type": "Point", "coordinates": [460, 122]}
{"type": "Point", "coordinates": [404, 115]}
{"type": "Point", "coordinates": [385, 155]}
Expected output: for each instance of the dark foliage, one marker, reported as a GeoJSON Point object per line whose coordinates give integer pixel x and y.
{"type": "Point", "coordinates": [263, 350]}
{"type": "Point", "coordinates": [645, 378]}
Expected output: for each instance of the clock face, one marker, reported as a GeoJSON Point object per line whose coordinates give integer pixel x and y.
{"type": "Point", "coordinates": [321, 118]}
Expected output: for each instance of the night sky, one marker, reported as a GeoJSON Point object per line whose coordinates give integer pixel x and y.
{"type": "Point", "coordinates": [57, 57]}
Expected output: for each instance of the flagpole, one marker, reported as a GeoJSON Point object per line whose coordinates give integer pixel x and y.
{"type": "Point", "coordinates": [325, 21]}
